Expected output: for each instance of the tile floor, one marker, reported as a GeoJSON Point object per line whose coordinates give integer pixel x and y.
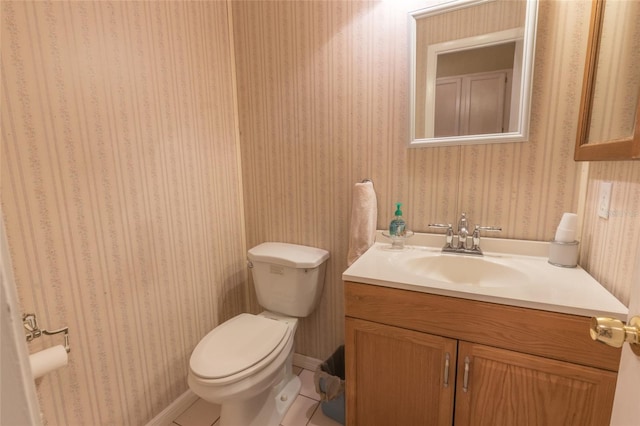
{"type": "Point", "coordinates": [305, 410]}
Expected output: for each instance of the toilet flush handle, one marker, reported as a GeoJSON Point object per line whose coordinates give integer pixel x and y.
{"type": "Point", "coordinates": [249, 264]}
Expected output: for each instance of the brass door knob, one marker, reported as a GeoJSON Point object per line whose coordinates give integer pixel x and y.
{"type": "Point", "coordinates": [614, 332]}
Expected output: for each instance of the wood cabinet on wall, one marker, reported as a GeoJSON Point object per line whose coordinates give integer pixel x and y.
{"type": "Point", "coordinates": [419, 359]}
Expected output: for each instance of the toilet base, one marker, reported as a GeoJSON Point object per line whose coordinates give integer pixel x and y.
{"type": "Point", "coordinates": [265, 409]}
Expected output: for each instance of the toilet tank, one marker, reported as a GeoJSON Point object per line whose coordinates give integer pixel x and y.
{"type": "Point", "coordinates": [288, 278]}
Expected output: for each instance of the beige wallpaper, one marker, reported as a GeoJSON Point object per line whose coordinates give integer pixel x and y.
{"type": "Point", "coordinates": [608, 245]}
{"type": "Point", "coordinates": [323, 103]}
{"type": "Point", "coordinates": [121, 194]}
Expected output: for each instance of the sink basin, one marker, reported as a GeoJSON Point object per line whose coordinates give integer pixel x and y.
{"type": "Point", "coordinates": [456, 269]}
{"type": "Point", "coordinates": [511, 272]}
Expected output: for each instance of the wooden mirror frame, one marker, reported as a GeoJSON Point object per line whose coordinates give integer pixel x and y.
{"type": "Point", "coordinates": [619, 149]}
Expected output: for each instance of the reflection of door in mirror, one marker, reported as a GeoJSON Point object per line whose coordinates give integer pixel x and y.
{"type": "Point", "coordinates": [473, 91]}
{"type": "Point", "coordinates": [461, 36]}
{"type": "Point", "coordinates": [617, 82]}
{"type": "Point", "coordinates": [471, 104]}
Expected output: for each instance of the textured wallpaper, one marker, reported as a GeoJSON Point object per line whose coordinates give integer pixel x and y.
{"type": "Point", "coordinates": [323, 103]}
{"type": "Point", "coordinates": [121, 194]}
{"type": "Point", "coordinates": [608, 246]}
{"type": "Point", "coordinates": [127, 211]}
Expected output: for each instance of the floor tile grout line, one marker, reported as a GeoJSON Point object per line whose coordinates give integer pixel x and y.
{"type": "Point", "coordinates": [312, 413]}
{"type": "Point", "coordinates": [300, 395]}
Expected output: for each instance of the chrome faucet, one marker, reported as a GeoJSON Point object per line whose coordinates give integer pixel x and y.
{"type": "Point", "coordinates": [464, 244]}
{"type": "Point", "coordinates": [463, 231]}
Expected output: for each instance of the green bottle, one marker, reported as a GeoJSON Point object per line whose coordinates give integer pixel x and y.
{"type": "Point", "coordinates": [397, 227]}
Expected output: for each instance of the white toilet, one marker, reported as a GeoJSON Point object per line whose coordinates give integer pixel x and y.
{"type": "Point", "coordinates": [245, 363]}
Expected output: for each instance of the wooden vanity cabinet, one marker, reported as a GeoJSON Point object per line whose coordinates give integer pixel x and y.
{"type": "Point", "coordinates": [407, 353]}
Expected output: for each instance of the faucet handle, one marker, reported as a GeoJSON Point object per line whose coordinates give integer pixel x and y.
{"type": "Point", "coordinates": [449, 228]}
{"type": "Point", "coordinates": [440, 225]}
{"type": "Point", "coordinates": [476, 233]}
{"type": "Point", "coordinates": [487, 228]}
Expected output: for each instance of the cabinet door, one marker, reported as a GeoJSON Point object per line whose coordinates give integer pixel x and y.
{"type": "Point", "coordinates": [396, 376]}
{"type": "Point", "coordinates": [509, 388]}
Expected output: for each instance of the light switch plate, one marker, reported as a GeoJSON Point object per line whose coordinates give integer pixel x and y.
{"type": "Point", "coordinates": [604, 199]}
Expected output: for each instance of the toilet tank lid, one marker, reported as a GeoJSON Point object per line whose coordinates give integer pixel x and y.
{"type": "Point", "coordinates": [285, 254]}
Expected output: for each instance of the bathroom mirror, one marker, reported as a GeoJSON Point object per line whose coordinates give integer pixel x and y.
{"type": "Point", "coordinates": [471, 71]}
{"type": "Point", "coordinates": [609, 120]}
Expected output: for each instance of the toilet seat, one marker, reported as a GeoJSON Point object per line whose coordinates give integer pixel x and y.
{"type": "Point", "coordinates": [238, 348]}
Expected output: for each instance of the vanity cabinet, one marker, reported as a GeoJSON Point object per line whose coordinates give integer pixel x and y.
{"type": "Point", "coordinates": [420, 359]}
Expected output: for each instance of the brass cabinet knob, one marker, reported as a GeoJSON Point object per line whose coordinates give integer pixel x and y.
{"type": "Point", "coordinates": [614, 332]}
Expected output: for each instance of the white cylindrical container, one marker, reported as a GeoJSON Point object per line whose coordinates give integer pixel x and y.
{"type": "Point", "coordinates": [564, 254]}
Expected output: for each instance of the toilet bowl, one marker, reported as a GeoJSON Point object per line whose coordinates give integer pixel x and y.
{"type": "Point", "coordinates": [245, 364]}
{"type": "Point", "coordinates": [252, 372]}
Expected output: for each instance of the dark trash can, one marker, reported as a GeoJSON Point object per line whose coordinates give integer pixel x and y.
{"type": "Point", "coordinates": [329, 381]}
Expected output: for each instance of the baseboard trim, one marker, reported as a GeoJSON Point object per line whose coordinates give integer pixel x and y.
{"type": "Point", "coordinates": [177, 407]}
{"type": "Point", "coordinates": [306, 362]}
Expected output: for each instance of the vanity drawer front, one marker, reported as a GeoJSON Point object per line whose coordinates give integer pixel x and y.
{"type": "Point", "coordinates": [554, 335]}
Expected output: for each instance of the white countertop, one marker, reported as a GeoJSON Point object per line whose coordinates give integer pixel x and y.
{"type": "Point", "coordinates": [547, 287]}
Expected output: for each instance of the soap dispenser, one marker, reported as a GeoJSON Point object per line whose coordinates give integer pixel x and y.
{"type": "Point", "coordinates": [397, 227]}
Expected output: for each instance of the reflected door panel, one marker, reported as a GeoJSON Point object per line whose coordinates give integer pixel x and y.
{"type": "Point", "coordinates": [447, 114]}
{"type": "Point", "coordinates": [471, 104]}
{"type": "Point", "coordinates": [485, 103]}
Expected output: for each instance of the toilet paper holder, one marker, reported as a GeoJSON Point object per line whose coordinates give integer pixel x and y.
{"type": "Point", "coordinates": [30, 323]}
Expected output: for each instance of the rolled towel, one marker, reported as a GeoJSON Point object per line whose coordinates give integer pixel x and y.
{"type": "Point", "coordinates": [364, 217]}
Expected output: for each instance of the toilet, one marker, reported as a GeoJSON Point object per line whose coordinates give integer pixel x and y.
{"type": "Point", "coordinates": [245, 364]}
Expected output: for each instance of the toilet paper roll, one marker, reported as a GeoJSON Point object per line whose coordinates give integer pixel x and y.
{"type": "Point", "coordinates": [46, 361]}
